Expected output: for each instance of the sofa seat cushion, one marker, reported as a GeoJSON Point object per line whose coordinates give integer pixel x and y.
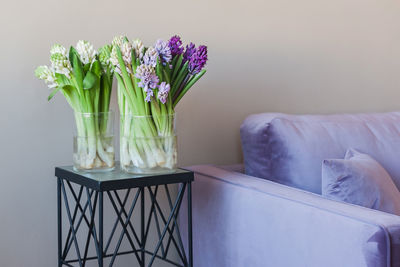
{"type": "Point", "coordinates": [289, 149]}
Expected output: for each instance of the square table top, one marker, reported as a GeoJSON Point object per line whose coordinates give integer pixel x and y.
{"type": "Point", "coordinates": [118, 179]}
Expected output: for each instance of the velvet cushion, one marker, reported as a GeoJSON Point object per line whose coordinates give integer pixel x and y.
{"type": "Point", "coordinates": [359, 179]}
{"type": "Point", "coordinates": [289, 149]}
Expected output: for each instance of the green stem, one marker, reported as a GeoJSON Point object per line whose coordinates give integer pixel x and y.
{"type": "Point", "coordinates": [188, 86]}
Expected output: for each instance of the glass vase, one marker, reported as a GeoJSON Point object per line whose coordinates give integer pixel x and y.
{"type": "Point", "coordinates": [94, 142]}
{"type": "Point", "coordinates": [148, 144]}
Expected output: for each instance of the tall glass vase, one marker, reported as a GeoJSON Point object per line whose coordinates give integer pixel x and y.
{"type": "Point", "coordinates": [148, 144]}
{"type": "Point", "coordinates": [94, 142]}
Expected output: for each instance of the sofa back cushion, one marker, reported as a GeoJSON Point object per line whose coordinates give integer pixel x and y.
{"type": "Point", "coordinates": [289, 149]}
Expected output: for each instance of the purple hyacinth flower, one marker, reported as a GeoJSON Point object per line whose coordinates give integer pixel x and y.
{"type": "Point", "coordinates": [148, 80]}
{"type": "Point", "coordinates": [163, 91]}
{"type": "Point", "coordinates": [163, 50]}
{"type": "Point", "coordinates": [198, 60]}
{"type": "Point", "coordinates": [150, 57]}
{"type": "Point", "coordinates": [149, 95]}
{"type": "Point", "coordinates": [175, 45]}
{"type": "Point", "coordinates": [190, 50]}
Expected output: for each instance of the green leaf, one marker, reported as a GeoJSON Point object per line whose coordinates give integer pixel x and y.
{"type": "Point", "coordinates": [96, 68]}
{"type": "Point", "coordinates": [90, 80]}
{"type": "Point", "coordinates": [58, 88]}
{"type": "Point", "coordinates": [195, 79]}
{"type": "Point", "coordinates": [77, 67]}
{"type": "Point", "coordinates": [133, 56]}
{"type": "Point", "coordinates": [62, 80]}
{"type": "Point", "coordinates": [72, 52]}
{"type": "Point", "coordinates": [86, 67]}
{"type": "Point", "coordinates": [166, 76]}
{"type": "Point", "coordinates": [167, 70]}
{"type": "Point", "coordinates": [188, 86]}
{"type": "Point", "coordinates": [176, 66]}
{"type": "Point", "coordinates": [180, 77]}
{"type": "Point", "coordinates": [129, 87]}
{"type": "Point", "coordinates": [173, 62]}
{"type": "Point", "coordinates": [181, 74]}
{"type": "Point", "coordinates": [66, 87]}
{"type": "Point", "coordinates": [69, 89]}
{"type": "Point", "coordinates": [158, 69]}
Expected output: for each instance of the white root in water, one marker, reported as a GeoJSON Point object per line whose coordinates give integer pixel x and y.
{"type": "Point", "coordinates": [91, 153]}
{"type": "Point", "coordinates": [134, 155]}
{"type": "Point", "coordinates": [103, 155]}
{"type": "Point", "coordinates": [90, 156]}
{"type": "Point", "coordinates": [125, 159]}
{"type": "Point", "coordinates": [151, 155]}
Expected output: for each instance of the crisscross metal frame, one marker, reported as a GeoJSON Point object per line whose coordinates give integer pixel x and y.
{"type": "Point", "coordinates": [87, 213]}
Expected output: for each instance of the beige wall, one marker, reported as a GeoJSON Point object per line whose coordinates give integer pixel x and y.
{"type": "Point", "coordinates": [310, 56]}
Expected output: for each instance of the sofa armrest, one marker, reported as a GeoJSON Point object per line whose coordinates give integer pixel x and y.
{"type": "Point", "coordinates": [233, 168]}
{"type": "Point", "coordinates": [240, 220]}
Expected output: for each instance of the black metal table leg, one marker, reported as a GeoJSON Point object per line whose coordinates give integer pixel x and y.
{"type": "Point", "coordinates": [59, 222]}
{"type": "Point", "coordinates": [143, 240]}
{"type": "Point", "coordinates": [190, 232]}
{"type": "Point", "coordinates": [101, 218]}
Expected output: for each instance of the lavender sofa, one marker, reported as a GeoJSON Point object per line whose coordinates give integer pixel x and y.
{"type": "Point", "coordinates": [280, 219]}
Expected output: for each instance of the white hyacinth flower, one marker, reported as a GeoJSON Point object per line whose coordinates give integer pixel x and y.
{"type": "Point", "coordinates": [139, 48]}
{"type": "Point", "coordinates": [61, 64]}
{"type": "Point", "coordinates": [126, 51]}
{"type": "Point", "coordinates": [118, 40]}
{"type": "Point", "coordinates": [114, 60]}
{"type": "Point", "coordinates": [86, 52]}
{"type": "Point", "coordinates": [47, 74]}
{"type": "Point", "coordinates": [58, 49]}
{"type": "Point", "coordinates": [104, 56]}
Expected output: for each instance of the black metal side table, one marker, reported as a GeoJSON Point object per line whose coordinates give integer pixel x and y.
{"type": "Point", "coordinates": [91, 189]}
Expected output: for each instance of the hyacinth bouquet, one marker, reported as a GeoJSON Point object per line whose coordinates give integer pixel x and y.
{"type": "Point", "coordinates": [151, 82]}
{"type": "Point", "coordinates": [84, 76]}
